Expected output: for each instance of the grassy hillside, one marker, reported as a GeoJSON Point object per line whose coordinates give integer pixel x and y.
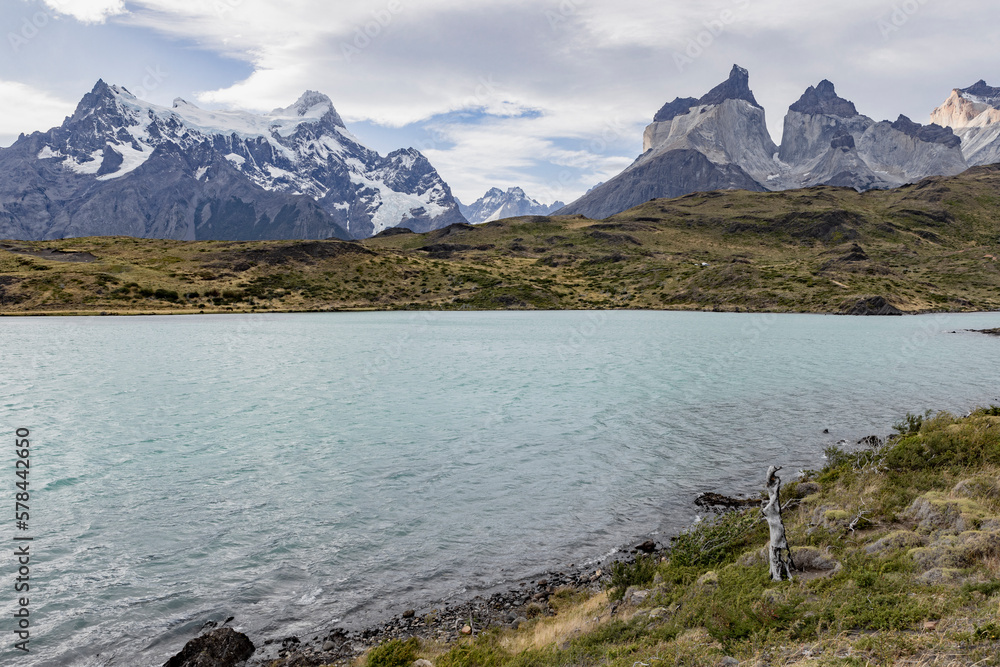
{"type": "Point", "coordinates": [932, 246]}
{"type": "Point", "coordinates": [898, 545]}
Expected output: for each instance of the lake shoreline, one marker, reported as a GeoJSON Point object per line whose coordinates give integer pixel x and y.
{"type": "Point", "coordinates": [442, 623]}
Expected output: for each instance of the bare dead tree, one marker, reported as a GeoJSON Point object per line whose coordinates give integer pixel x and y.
{"type": "Point", "coordinates": [779, 554]}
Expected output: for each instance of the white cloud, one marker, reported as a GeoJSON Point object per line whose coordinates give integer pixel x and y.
{"type": "Point", "coordinates": [26, 109]}
{"type": "Point", "coordinates": [88, 11]}
{"type": "Point", "coordinates": [576, 65]}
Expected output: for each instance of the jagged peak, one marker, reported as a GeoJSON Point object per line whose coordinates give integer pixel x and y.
{"type": "Point", "coordinates": [932, 133]}
{"type": "Point", "coordinates": [823, 99]}
{"type": "Point", "coordinates": [736, 87]}
{"type": "Point", "coordinates": [101, 88]}
{"type": "Point", "coordinates": [102, 96]}
{"type": "Point", "coordinates": [312, 104]}
{"type": "Point", "coordinates": [982, 92]}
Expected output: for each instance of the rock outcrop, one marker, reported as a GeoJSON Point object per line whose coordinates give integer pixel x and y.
{"type": "Point", "coordinates": [720, 141]}
{"type": "Point", "coordinates": [224, 647]}
{"type": "Point", "coordinates": [905, 152]}
{"type": "Point", "coordinates": [819, 143]}
{"type": "Point", "coordinates": [974, 115]}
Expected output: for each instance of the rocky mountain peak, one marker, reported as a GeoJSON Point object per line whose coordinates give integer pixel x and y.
{"type": "Point", "coordinates": [312, 104]}
{"type": "Point", "coordinates": [932, 133]}
{"type": "Point", "coordinates": [736, 87]}
{"type": "Point", "coordinates": [497, 204]}
{"type": "Point", "coordinates": [823, 99]}
{"type": "Point", "coordinates": [985, 93]}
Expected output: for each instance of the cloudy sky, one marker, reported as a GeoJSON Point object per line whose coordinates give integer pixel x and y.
{"type": "Point", "coordinates": [550, 95]}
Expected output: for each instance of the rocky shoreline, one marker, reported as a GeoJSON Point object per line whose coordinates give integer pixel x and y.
{"type": "Point", "coordinates": [445, 623]}
{"type": "Point", "coordinates": [450, 621]}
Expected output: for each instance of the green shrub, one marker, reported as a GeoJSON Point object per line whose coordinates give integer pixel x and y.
{"type": "Point", "coordinates": [394, 653]}
{"type": "Point", "coordinates": [715, 540]}
{"type": "Point", "coordinates": [638, 573]}
{"type": "Point", "coordinates": [911, 423]}
{"type": "Point", "coordinates": [990, 631]}
{"type": "Point", "coordinates": [166, 295]}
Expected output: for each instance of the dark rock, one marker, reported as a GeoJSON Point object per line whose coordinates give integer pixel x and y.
{"type": "Point", "coordinates": [409, 613]}
{"type": "Point", "coordinates": [112, 161]}
{"type": "Point", "coordinates": [672, 174]}
{"type": "Point", "coordinates": [855, 254]}
{"type": "Point", "coordinates": [845, 141]}
{"type": "Point", "coordinates": [989, 94]}
{"type": "Point", "coordinates": [394, 231]}
{"type": "Point", "coordinates": [823, 99]}
{"type": "Point", "coordinates": [224, 647]}
{"type": "Point", "coordinates": [873, 305]}
{"type": "Point", "coordinates": [649, 546]}
{"type": "Point", "coordinates": [736, 87]}
{"type": "Point", "coordinates": [670, 110]}
{"type": "Point", "coordinates": [933, 133]}
{"type": "Point", "coordinates": [717, 501]}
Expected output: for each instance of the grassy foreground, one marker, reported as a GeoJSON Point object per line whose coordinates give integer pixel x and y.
{"type": "Point", "coordinates": [899, 547]}
{"type": "Point", "coordinates": [931, 246]}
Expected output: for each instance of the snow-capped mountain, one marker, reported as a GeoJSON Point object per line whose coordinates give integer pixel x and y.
{"type": "Point", "coordinates": [721, 142]}
{"type": "Point", "coordinates": [120, 165]}
{"type": "Point", "coordinates": [497, 204]}
{"type": "Point", "coordinates": [974, 114]}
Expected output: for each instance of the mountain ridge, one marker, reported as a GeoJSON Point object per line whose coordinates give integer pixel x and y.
{"type": "Point", "coordinates": [826, 141]}
{"type": "Point", "coordinates": [303, 150]}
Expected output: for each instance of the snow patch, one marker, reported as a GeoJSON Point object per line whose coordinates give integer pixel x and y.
{"type": "Point", "coordinates": [90, 167]}
{"type": "Point", "coordinates": [396, 206]}
{"type": "Point", "coordinates": [131, 160]}
{"type": "Point", "coordinates": [47, 152]}
{"type": "Point", "coordinates": [200, 173]}
{"type": "Point", "coordinates": [237, 160]}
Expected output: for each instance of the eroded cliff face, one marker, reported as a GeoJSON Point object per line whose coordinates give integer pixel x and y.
{"type": "Point", "coordinates": [717, 142]}
{"type": "Point", "coordinates": [720, 141]}
{"type": "Point", "coordinates": [974, 114]}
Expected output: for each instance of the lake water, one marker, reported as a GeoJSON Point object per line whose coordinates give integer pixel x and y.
{"type": "Point", "coordinates": [303, 471]}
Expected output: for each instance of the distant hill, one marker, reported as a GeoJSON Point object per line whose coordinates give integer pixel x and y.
{"type": "Point", "coordinates": [925, 247]}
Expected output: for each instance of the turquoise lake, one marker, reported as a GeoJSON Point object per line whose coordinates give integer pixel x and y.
{"type": "Point", "coordinates": [304, 471]}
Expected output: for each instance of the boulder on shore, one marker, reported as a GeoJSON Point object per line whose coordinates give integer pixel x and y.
{"type": "Point", "coordinates": [224, 647]}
